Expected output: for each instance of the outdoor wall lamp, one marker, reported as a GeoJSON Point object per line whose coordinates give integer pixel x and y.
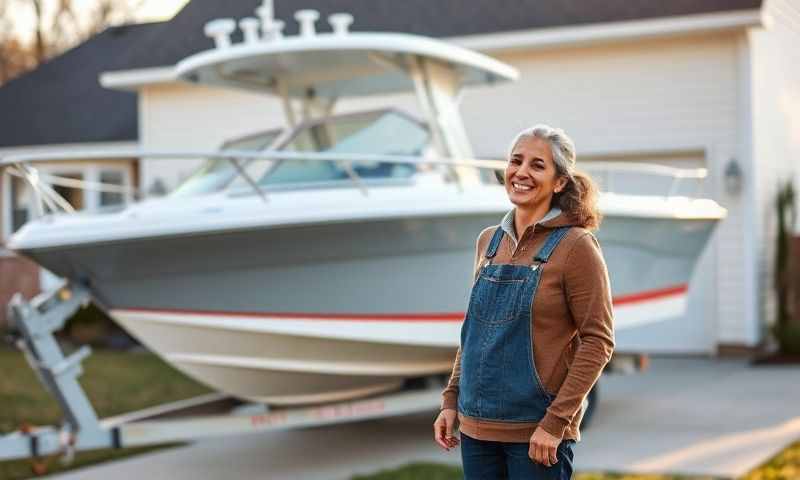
{"type": "Point", "coordinates": [733, 177]}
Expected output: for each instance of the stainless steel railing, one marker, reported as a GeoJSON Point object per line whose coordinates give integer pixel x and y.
{"type": "Point", "coordinates": [21, 165]}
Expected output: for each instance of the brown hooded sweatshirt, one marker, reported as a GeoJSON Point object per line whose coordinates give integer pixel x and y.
{"type": "Point", "coordinates": [572, 325]}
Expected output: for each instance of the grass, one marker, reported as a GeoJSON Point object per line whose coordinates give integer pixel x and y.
{"type": "Point", "coordinates": [784, 466]}
{"type": "Point", "coordinates": [140, 380]}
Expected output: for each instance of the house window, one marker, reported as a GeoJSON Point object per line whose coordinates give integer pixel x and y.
{"type": "Point", "coordinates": [20, 194]}
{"type": "Point", "coordinates": [74, 196]}
{"type": "Point", "coordinates": [112, 177]}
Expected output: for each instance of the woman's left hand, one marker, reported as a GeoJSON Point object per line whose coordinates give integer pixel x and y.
{"type": "Point", "coordinates": [543, 447]}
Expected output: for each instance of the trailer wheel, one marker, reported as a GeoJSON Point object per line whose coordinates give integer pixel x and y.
{"type": "Point", "coordinates": [592, 399]}
{"type": "Point", "coordinates": [39, 468]}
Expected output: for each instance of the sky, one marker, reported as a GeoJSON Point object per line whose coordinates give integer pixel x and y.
{"type": "Point", "coordinates": [159, 9]}
{"type": "Point", "coordinates": [22, 17]}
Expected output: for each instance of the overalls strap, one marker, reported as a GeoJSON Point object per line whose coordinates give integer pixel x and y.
{"type": "Point", "coordinates": [491, 251]}
{"type": "Point", "coordinates": [550, 244]}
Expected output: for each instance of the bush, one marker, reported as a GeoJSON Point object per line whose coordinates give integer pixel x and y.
{"type": "Point", "coordinates": [786, 328]}
{"type": "Point", "coordinates": [90, 325]}
{"type": "Point", "coordinates": [788, 337]}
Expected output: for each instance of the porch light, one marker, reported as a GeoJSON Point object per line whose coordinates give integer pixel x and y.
{"type": "Point", "coordinates": [733, 177]}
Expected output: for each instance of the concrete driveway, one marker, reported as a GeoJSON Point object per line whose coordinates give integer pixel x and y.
{"type": "Point", "coordinates": [717, 417]}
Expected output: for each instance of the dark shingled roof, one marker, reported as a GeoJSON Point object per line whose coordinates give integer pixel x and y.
{"type": "Point", "coordinates": [62, 101]}
{"type": "Point", "coordinates": [183, 35]}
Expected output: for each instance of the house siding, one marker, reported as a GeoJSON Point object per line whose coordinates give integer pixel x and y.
{"type": "Point", "coordinates": [776, 131]}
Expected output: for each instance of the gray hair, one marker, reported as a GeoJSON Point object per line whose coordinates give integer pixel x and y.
{"type": "Point", "coordinates": [561, 145]}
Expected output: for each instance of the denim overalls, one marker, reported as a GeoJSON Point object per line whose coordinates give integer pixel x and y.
{"type": "Point", "coordinates": [498, 375]}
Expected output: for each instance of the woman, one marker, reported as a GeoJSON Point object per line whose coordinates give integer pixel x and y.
{"type": "Point", "coordinates": [538, 330]}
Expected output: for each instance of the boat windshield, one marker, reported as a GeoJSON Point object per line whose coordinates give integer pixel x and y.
{"type": "Point", "coordinates": [381, 132]}
{"type": "Point", "coordinates": [384, 132]}
{"type": "Point", "coordinates": [216, 174]}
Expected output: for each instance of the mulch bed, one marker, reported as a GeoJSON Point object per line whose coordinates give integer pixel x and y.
{"type": "Point", "coordinates": [776, 358]}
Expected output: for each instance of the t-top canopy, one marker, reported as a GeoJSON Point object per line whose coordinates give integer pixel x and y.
{"type": "Point", "coordinates": [335, 65]}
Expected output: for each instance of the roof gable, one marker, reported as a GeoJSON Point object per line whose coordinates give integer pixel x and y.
{"type": "Point", "coordinates": [62, 101]}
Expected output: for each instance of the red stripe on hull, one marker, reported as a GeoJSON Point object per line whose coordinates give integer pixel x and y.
{"type": "Point", "coordinates": [651, 295]}
{"type": "Point", "coordinates": [409, 317]}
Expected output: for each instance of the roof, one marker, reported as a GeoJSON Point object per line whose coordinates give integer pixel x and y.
{"type": "Point", "coordinates": [183, 35]}
{"type": "Point", "coordinates": [61, 101]}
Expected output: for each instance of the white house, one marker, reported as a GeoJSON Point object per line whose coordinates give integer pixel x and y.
{"type": "Point", "coordinates": [709, 83]}
{"type": "Point", "coordinates": [60, 106]}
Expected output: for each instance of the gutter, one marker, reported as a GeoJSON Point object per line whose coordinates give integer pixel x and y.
{"type": "Point", "coordinates": [521, 40]}
{"type": "Point", "coordinates": [134, 79]}
{"type": "Point", "coordinates": [611, 31]}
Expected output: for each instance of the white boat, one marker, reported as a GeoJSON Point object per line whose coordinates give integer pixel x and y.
{"type": "Point", "coordinates": [332, 258]}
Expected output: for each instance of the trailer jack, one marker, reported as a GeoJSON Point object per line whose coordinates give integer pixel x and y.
{"type": "Point", "coordinates": [33, 325]}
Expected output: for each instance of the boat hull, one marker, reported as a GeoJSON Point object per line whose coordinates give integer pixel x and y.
{"type": "Point", "coordinates": [306, 314]}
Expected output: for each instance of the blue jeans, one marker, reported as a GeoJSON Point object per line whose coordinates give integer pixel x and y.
{"type": "Point", "coordinates": [486, 460]}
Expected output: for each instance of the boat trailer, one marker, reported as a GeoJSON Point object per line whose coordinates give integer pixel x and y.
{"type": "Point", "coordinates": [34, 323]}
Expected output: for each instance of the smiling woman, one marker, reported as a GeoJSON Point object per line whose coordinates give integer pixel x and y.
{"type": "Point", "coordinates": [551, 158]}
{"type": "Point", "coordinates": [538, 329]}
{"type": "Point", "coordinates": [531, 179]}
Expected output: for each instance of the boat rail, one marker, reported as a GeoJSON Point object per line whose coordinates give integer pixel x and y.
{"type": "Point", "coordinates": [605, 173]}
{"type": "Point", "coordinates": [20, 165]}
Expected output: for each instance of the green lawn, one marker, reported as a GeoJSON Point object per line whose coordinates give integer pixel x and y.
{"type": "Point", "coordinates": [784, 466]}
{"type": "Point", "coordinates": [142, 380]}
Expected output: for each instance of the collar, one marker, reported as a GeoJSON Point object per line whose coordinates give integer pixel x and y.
{"type": "Point", "coordinates": [507, 224]}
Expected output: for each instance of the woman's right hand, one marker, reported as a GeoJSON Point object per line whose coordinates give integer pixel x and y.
{"type": "Point", "coordinates": [443, 429]}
